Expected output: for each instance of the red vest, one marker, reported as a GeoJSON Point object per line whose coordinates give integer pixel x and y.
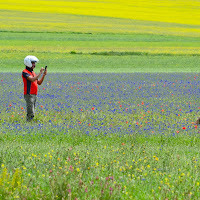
{"type": "Point", "coordinates": [29, 87]}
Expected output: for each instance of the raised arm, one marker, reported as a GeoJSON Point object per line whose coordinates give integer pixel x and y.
{"type": "Point", "coordinates": [41, 80]}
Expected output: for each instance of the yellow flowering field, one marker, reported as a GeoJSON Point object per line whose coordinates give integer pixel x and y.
{"type": "Point", "coordinates": [179, 11]}
{"type": "Point", "coordinates": [170, 17]}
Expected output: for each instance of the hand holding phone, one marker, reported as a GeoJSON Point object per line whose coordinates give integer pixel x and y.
{"type": "Point", "coordinates": [45, 70]}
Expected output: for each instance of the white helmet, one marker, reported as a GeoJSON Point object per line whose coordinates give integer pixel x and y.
{"type": "Point", "coordinates": [29, 59]}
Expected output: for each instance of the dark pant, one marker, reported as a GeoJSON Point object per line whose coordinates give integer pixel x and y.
{"type": "Point", "coordinates": [30, 105]}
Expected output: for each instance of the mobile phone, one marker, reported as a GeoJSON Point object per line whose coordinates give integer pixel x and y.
{"type": "Point", "coordinates": [45, 68]}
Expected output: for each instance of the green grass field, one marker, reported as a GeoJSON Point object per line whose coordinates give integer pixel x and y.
{"type": "Point", "coordinates": [98, 52]}
{"type": "Point", "coordinates": [57, 166]}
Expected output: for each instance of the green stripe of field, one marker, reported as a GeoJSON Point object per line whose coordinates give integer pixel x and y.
{"type": "Point", "coordinates": [101, 53]}
{"type": "Point", "coordinates": [90, 43]}
{"type": "Point", "coordinates": [86, 63]}
{"type": "Point", "coordinates": [81, 36]}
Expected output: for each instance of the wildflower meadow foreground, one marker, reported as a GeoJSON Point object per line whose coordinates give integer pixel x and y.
{"type": "Point", "coordinates": [101, 136]}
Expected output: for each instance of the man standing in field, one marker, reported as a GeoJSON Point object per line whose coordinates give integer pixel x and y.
{"type": "Point", "coordinates": [31, 82]}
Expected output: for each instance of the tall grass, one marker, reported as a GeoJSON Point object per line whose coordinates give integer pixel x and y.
{"type": "Point", "coordinates": [56, 166]}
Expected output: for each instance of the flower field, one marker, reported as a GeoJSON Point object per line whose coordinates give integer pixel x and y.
{"type": "Point", "coordinates": [101, 136]}
{"type": "Point", "coordinates": [115, 115]}
{"type": "Point", "coordinates": [179, 11]}
{"type": "Point", "coordinates": [168, 17]}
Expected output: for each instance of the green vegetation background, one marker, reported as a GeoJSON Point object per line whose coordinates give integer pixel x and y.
{"type": "Point", "coordinates": [100, 52]}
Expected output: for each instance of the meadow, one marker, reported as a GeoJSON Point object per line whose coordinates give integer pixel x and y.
{"type": "Point", "coordinates": [101, 136]}
{"type": "Point", "coordinates": [115, 116]}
